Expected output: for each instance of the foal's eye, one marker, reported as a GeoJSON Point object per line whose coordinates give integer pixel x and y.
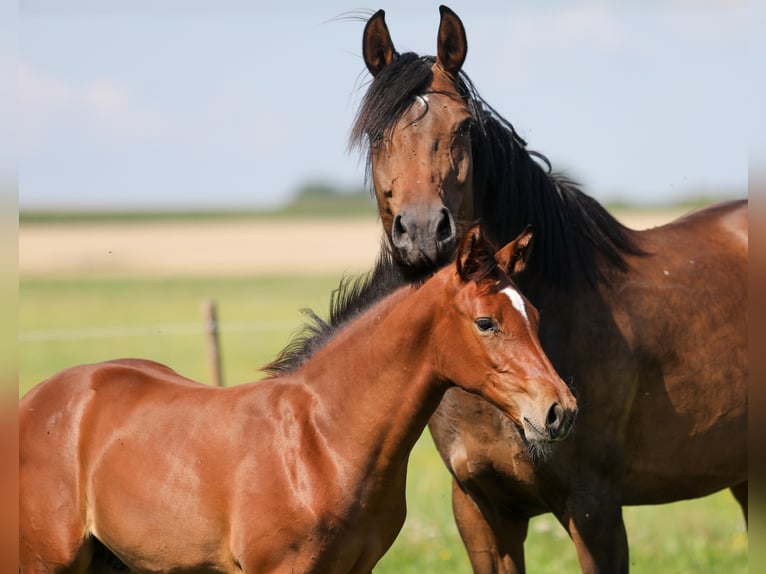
{"type": "Point", "coordinates": [486, 325]}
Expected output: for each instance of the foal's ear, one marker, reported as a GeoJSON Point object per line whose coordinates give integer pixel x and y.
{"type": "Point", "coordinates": [513, 257]}
{"type": "Point", "coordinates": [377, 47]}
{"type": "Point", "coordinates": [474, 256]}
{"type": "Point", "coordinates": [451, 44]}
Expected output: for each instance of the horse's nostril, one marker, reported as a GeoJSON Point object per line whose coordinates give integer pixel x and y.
{"type": "Point", "coordinates": [403, 232]}
{"type": "Point", "coordinates": [398, 227]}
{"type": "Point", "coordinates": [445, 229]}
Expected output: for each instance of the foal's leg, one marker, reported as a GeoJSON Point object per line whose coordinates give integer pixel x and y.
{"type": "Point", "coordinates": [52, 537]}
{"type": "Point", "coordinates": [740, 494]}
{"type": "Point", "coordinates": [496, 548]}
{"type": "Point", "coordinates": [58, 551]}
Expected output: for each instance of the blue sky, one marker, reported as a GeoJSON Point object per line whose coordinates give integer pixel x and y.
{"type": "Point", "coordinates": [176, 104]}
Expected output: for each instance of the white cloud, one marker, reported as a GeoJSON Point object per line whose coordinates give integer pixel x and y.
{"type": "Point", "coordinates": [42, 94]}
{"type": "Point", "coordinates": [105, 107]}
{"type": "Point", "coordinates": [106, 100]}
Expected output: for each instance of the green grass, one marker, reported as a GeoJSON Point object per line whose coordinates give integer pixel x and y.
{"type": "Point", "coordinates": [66, 322]}
{"type": "Point", "coordinates": [703, 536]}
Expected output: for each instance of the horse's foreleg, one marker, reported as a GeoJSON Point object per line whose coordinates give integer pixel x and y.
{"type": "Point", "coordinates": [740, 494]}
{"type": "Point", "coordinates": [495, 544]}
{"type": "Point", "coordinates": [594, 522]}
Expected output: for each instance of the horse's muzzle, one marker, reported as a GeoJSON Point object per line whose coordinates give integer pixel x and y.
{"type": "Point", "coordinates": [424, 237]}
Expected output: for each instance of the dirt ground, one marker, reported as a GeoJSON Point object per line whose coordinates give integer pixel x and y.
{"type": "Point", "coordinates": [204, 248]}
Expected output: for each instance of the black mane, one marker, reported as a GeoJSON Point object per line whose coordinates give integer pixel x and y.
{"type": "Point", "coordinates": [573, 232]}
{"type": "Point", "coordinates": [511, 187]}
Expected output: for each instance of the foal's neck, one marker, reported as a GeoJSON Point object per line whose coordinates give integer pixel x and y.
{"type": "Point", "coordinates": [375, 381]}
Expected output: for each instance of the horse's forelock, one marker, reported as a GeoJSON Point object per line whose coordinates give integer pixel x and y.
{"type": "Point", "coordinates": [389, 95]}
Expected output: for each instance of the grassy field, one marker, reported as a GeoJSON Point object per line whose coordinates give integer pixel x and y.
{"type": "Point", "coordinates": [63, 322]}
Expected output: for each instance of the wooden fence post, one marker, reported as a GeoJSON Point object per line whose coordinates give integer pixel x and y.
{"type": "Point", "coordinates": [210, 317]}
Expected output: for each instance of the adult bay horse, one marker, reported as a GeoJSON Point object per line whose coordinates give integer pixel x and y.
{"type": "Point", "coordinates": [649, 327]}
{"type": "Point", "coordinates": [303, 472]}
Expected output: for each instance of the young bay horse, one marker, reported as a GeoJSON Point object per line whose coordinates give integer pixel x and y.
{"type": "Point", "coordinates": [303, 472]}
{"type": "Point", "coordinates": [648, 327]}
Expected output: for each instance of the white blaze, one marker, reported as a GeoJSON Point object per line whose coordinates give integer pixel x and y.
{"type": "Point", "coordinates": [517, 300]}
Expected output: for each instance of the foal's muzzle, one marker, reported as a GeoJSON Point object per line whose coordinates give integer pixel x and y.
{"type": "Point", "coordinates": [559, 422]}
{"type": "Point", "coordinates": [557, 426]}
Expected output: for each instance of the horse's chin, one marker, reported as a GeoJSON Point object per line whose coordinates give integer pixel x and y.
{"type": "Point", "coordinates": [423, 263]}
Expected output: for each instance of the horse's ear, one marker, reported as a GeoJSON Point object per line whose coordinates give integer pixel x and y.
{"type": "Point", "coordinates": [472, 253]}
{"type": "Point", "coordinates": [451, 44]}
{"type": "Point", "coordinates": [513, 257]}
{"type": "Point", "coordinates": [377, 47]}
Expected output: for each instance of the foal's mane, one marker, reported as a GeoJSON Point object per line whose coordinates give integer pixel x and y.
{"type": "Point", "coordinates": [351, 298]}
{"type": "Point", "coordinates": [573, 232]}
{"type": "Point", "coordinates": [355, 295]}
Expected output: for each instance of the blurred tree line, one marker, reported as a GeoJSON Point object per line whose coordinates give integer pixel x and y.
{"type": "Point", "coordinates": [325, 199]}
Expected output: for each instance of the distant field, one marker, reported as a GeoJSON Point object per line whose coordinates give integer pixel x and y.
{"type": "Point", "coordinates": [197, 248]}
{"type": "Point", "coordinates": [91, 291]}
{"type": "Point", "coordinates": [216, 246]}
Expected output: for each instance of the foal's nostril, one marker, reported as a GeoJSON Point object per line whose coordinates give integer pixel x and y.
{"type": "Point", "coordinates": [553, 422]}
{"type": "Point", "coordinates": [445, 228]}
{"type": "Point", "coordinates": [559, 422]}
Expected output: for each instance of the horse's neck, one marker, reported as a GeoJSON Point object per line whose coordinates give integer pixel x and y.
{"type": "Point", "coordinates": [577, 242]}
{"type": "Point", "coordinates": [376, 383]}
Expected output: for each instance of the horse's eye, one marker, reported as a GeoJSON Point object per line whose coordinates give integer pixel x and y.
{"type": "Point", "coordinates": [464, 128]}
{"type": "Point", "coordinates": [375, 139]}
{"type": "Point", "coordinates": [486, 325]}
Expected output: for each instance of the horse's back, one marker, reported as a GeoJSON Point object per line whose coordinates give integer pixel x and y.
{"type": "Point", "coordinates": [697, 264]}
{"type": "Point", "coordinates": [734, 217]}
{"type": "Point", "coordinates": [726, 221]}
